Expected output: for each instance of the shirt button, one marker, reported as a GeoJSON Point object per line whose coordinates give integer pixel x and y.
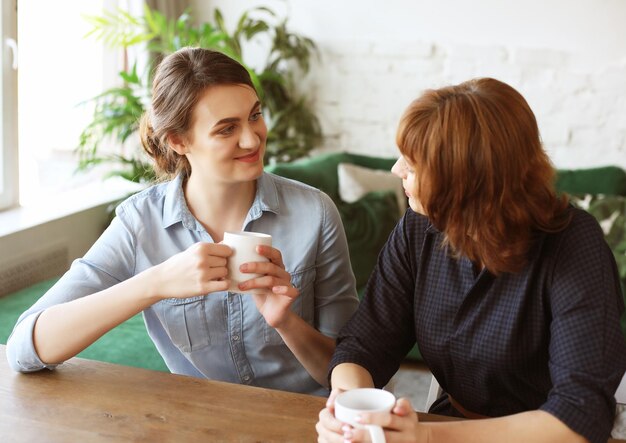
{"type": "Point", "coordinates": [235, 337]}
{"type": "Point", "coordinates": [246, 377]}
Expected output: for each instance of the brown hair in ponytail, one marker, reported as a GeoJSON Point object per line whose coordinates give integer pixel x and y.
{"type": "Point", "coordinates": [179, 81]}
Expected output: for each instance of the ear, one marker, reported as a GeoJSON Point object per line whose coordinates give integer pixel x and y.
{"type": "Point", "coordinates": [177, 143]}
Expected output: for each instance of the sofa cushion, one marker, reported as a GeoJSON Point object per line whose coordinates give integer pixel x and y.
{"type": "Point", "coordinates": [320, 171]}
{"type": "Point", "coordinates": [356, 181]}
{"type": "Point", "coordinates": [368, 223]}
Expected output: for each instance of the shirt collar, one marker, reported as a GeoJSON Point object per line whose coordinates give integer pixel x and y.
{"type": "Point", "coordinates": [175, 208]}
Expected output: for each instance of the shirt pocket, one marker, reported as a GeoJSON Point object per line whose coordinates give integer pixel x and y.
{"type": "Point", "coordinates": [185, 322]}
{"type": "Point", "coordinates": [302, 305]}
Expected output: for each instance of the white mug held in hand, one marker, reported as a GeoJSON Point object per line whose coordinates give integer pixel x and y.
{"type": "Point", "coordinates": [351, 403]}
{"type": "Point", "coordinates": [244, 246]}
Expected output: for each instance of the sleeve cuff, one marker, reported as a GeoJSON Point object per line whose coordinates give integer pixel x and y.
{"type": "Point", "coordinates": [583, 422]}
{"type": "Point", "coordinates": [21, 352]}
{"type": "Point", "coordinates": [356, 359]}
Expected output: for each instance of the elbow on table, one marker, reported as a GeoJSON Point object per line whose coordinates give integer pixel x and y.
{"type": "Point", "coordinates": [20, 362]}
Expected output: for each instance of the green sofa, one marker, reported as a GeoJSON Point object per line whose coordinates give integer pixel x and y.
{"type": "Point", "coordinates": [368, 222]}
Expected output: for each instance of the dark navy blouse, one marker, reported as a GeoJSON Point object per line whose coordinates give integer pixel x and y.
{"type": "Point", "coordinates": [545, 338]}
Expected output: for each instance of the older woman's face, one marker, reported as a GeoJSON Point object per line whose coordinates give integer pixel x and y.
{"type": "Point", "coordinates": [403, 169]}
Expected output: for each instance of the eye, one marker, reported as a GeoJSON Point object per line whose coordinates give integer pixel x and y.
{"type": "Point", "coordinates": [228, 130]}
{"type": "Point", "coordinates": [255, 116]}
{"type": "Point", "coordinates": [407, 167]}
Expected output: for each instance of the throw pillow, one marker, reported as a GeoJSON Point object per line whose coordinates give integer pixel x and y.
{"type": "Point", "coordinates": [356, 181]}
{"type": "Point", "coordinates": [368, 223]}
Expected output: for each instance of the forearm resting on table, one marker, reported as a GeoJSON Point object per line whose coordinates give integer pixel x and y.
{"type": "Point", "coordinates": [532, 426]}
{"type": "Point", "coordinates": [64, 330]}
{"type": "Point", "coordinates": [350, 376]}
{"type": "Point", "coordinates": [312, 348]}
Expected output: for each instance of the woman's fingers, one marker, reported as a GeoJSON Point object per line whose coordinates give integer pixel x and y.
{"type": "Point", "coordinates": [269, 282]}
{"type": "Point", "coordinates": [289, 291]}
{"type": "Point", "coordinates": [216, 286]}
{"type": "Point", "coordinates": [402, 418]}
{"type": "Point", "coordinates": [274, 275]}
{"type": "Point", "coordinates": [217, 273]}
{"type": "Point", "coordinates": [272, 254]}
{"type": "Point", "coordinates": [205, 249]}
{"type": "Point", "coordinates": [403, 408]}
{"type": "Point", "coordinates": [216, 262]}
{"type": "Point", "coordinates": [330, 402]}
{"type": "Point", "coordinates": [265, 268]}
{"type": "Point", "coordinates": [328, 427]}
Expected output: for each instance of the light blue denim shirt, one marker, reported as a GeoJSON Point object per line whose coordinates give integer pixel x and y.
{"type": "Point", "coordinates": [222, 335]}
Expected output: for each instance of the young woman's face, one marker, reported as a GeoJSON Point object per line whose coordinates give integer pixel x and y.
{"type": "Point", "coordinates": [403, 169]}
{"type": "Point", "coordinates": [226, 141]}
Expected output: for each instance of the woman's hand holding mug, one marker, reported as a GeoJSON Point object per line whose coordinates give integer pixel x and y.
{"type": "Point", "coordinates": [198, 270]}
{"type": "Point", "coordinates": [368, 414]}
{"type": "Point", "coordinates": [257, 268]}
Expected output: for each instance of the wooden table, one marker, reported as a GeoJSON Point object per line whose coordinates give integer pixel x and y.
{"type": "Point", "coordinates": [91, 401]}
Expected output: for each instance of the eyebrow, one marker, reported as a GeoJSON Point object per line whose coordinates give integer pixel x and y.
{"type": "Point", "coordinates": [236, 119]}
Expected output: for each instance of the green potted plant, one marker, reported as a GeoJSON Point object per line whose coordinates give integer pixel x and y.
{"type": "Point", "coordinates": [293, 128]}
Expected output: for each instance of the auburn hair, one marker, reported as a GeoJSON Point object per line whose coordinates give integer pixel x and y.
{"type": "Point", "coordinates": [482, 175]}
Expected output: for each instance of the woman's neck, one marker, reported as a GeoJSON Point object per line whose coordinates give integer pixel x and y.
{"type": "Point", "coordinates": [219, 207]}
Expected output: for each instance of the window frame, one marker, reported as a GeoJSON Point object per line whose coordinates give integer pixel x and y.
{"type": "Point", "coordinates": [9, 187]}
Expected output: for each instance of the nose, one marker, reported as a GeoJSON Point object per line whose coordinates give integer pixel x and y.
{"type": "Point", "coordinates": [249, 138]}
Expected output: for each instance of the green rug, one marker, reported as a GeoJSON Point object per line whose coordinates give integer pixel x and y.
{"type": "Point", "coordinates": [128, 344]}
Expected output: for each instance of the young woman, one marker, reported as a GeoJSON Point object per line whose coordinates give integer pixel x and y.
{"type": "Point", "coordinates": [511, 294]}
{"type": "Point", "coordinates": [162, 255]}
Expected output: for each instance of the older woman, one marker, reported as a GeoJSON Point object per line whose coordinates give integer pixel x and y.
{"type": "Point", "coordinates": [511, 294]}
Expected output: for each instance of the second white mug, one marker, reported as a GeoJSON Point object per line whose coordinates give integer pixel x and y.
{"type": "Point", "coordinates": [351, 403]}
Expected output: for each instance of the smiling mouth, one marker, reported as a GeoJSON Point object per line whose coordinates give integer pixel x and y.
{"type": "Point", "coordinates": [250, 158]}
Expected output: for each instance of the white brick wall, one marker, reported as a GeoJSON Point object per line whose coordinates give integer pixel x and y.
{"type": "Point", "coordinates": [571, 67]}
{"type": "Point", "coordinates": [361, 90]}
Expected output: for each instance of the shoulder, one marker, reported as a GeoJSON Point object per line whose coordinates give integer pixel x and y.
{"type": "Point", "coordinates": [582, 233]}
{"type": "Point", "coordinates": [146, 198]}
{"type": "Point", "coordinates": [288, 184]}
{"type": "Point", "coordinates": [580, 258]}
{"type": "Point", "coordinates": [144, 205]}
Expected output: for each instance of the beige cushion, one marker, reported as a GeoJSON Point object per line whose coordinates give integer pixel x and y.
{"type": "Point", "coordinates": [356, 181]}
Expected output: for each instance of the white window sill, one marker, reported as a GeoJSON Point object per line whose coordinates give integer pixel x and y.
{"type": "Point", "coordinates": [52, 208]}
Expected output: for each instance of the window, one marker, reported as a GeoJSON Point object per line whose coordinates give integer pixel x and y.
{"type": "Point", "coordinates": [46, 99]}
{"type": "Point", "coordinates": [8, 93]}
{"type": "Point", "coordinates": [59, 71]}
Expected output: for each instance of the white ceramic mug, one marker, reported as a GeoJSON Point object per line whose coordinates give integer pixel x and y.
{"type": "Point", "coordinates": [244, 245]}
{"type": "Point", "coordinates": [351, 403]}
